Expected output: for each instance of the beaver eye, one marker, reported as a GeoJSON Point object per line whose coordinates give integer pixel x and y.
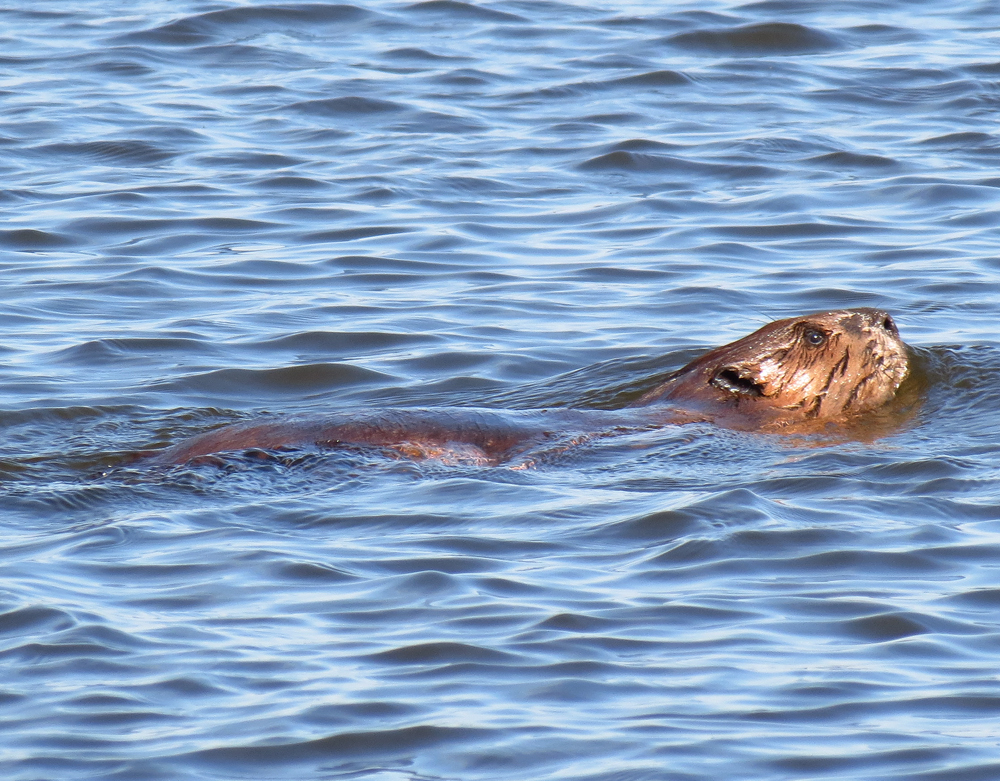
{"type": "Point", "coordinates": [814, 337]}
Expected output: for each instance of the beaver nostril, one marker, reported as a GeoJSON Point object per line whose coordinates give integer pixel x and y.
{"type": "Point", "coordinates": [889, 325]}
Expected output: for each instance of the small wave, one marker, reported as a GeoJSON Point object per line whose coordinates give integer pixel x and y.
{"type": "Point", "coordinates": [292, 183]}
{"type": "Point", "coordinates": [34, 619]}
{"type": "Point", "coordinates": [372, 264]}
{"type": "Point", "coordinates": [782, 147]}
{"type": "Point", "coordinates": [849, 160]}
{"type": "Point", "coordinates": [883, 34]}
{"type": "Point", "coordinates": [646, 145]}
{"type": "Point", "coordinates": [790, 230]}
{"type": "Point", "coordinates": [350, 106]}
{"type": "Point", "coordinates": [443, 653]}
{"type": "Point", "coordinates": [342, 343]}
{"type": "Point", "coordinates": [130, 152]}
{"type": "Point", "coordinates": [621, 160]}
{"type": "Point", "coordinates": [353, 234]}
{"type": "Point", "coordinates": [883, 628]}
{"type": "Point", "coordinates": [935, 196]}
{"type": "Point", "coordinates": [289, 380]}
{"type": "Point", "coordinates": [243, 160]}
{"type": "Point", "coordinates": [661, 78]}
{"type": "Point", "coordinates": [98, 352]}
{"type": "Point", "coordinates": [202, 28]}
{"type": "Point", "coordinates": [653, 79]}
{"type": "Point", "coordinates": [413, 54]}
{"type": "Point", "coordinates": [768, 38]}
{"type": "Point", "coordinates": [963, 140]}
{"type": "Point", "coordinates": [383, 743]}
{"type": "Point", "coordinates": [466, 77]}
{"type": "Point", "coordinates": [453, 9]}
{"type": "Point", "coordinates": [309, 572]}
{"type": "Point", "coordinates": [122, 68]}
{"type": "Point", "coordinates": [436, 122]}
{"type": "Point", "coordinates": [878, 94]}
{"type": "Point", "coordinates": [32, 239]}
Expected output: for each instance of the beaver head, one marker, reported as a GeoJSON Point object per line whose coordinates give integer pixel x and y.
{"type": "Point", "coordinates": [824, 366]}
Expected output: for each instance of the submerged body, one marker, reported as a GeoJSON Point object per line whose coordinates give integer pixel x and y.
{"type": "Point", "coordinates": [796, 375]}
{"type": "Point", "coordinates": [480, 437]}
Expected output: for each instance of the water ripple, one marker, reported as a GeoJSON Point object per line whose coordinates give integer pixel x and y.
{"type": "Point", "coordinates": [219, 212]}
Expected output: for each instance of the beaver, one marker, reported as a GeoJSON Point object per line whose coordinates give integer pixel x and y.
{"type": "Point", "coordinates": [794, 375]}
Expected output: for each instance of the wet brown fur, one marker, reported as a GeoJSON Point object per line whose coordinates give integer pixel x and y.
{"type": "Point", "coordinates": [790, 373]}
{"type": "Point", "coordinates": [795, 375]}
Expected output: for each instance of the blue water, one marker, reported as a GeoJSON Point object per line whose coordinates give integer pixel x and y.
{"type": "Point", "coordinates": [214, 211]}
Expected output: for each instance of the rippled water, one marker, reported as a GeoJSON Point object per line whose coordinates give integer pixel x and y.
{"type": "Point", "coordinates": [214, 211]}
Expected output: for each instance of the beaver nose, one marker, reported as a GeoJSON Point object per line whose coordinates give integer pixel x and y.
{"type": "Point", "coordinates": [879, 318]}
{"type": "Point", "coordinates": [883, 320]}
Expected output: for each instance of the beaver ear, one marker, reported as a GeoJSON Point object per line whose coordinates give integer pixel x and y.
{"type": "Point", "coordinates": [731, 380]}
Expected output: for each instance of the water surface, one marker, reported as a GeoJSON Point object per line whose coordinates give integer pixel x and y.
{"type": "Point", "coordinates": [214, 211]}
